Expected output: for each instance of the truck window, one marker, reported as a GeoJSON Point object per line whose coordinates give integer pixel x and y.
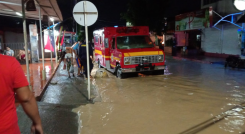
{"type": "Point", "coordinates": [96, 39]}
{"type": "Point", "coordinates": [113, 43]}
{"type": "Point", "coordinates": [106, 43]}
{"type": "Point", "coordinates": [129, 42]}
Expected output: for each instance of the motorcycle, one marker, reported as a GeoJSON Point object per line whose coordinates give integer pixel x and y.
{"type": "Point", "coordinates": [235, 62]}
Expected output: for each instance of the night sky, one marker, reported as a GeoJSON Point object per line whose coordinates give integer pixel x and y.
{"type": "Point", "coordinates": [109, 12]}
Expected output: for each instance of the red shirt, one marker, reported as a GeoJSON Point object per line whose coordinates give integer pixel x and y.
{"type": "Point", "coordinates": [11, 77]}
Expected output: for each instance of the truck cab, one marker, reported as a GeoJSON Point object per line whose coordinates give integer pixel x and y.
{"type": "Point", "coordinates": [125, 50]}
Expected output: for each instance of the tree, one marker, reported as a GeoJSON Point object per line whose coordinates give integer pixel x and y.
{"type": "Point", "coordinates": [146, 13]}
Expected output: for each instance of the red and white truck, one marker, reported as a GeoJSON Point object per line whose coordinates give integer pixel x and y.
{"type": "Point", "coordinates": [125, 50]}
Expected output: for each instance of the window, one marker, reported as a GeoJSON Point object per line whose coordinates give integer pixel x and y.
{"type": "Point", "coordinates": [206, 2]}
{"type": "Point", "coordinates": [129, 42]}
{"type": "Point", "coordinates": [113, 43]}
{"type": "Point", "coordinates": [106, 43]}
{"type": "Point", "coordinates": [96, 39]}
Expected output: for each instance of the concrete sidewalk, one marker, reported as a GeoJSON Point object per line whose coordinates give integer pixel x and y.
{"type": "Point", "coordinates": [61, 96]}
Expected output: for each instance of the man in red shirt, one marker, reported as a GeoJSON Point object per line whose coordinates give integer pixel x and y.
{"type": "Point", "coordinates": [13, 80]}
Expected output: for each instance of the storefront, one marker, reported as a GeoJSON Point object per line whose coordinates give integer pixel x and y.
{"type": "Point", "coordinates": [188, 31]}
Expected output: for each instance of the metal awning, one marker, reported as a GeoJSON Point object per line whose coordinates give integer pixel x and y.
{"type": "Point", "coordinates": [48, 7]}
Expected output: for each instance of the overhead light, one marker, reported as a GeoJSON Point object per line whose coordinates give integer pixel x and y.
{"type": "Point", "coordinates": [115, 26]}
{"type": "Point", "coordinates": [52, 19]}
{"type": "Point", "coordinates": [240, 4]}
{"type": "Point", "coordinates": [18, 13]}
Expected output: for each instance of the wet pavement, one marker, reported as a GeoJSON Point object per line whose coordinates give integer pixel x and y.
{"type": "Point", "coordinates": [190, 98]}
{"type": "Point", "coordinates": [36, 75]}
{"type": "Point", "coordinates": [61, 96]}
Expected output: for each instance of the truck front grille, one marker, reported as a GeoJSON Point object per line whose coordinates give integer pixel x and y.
{"type": "Point", "coordinates": [144, 59]}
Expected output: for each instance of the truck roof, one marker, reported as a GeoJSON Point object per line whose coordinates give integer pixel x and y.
{"type": "Point", "coordinates": [122, 31]}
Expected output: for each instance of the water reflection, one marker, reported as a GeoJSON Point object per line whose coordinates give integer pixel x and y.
{"type": "Point", "coordinates": [36, 75]}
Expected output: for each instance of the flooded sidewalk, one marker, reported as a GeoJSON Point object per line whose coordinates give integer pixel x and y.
{"type": "Point", "coordinates": [190, 98]}
{"type": "Point", "coordinates": [36, 75]}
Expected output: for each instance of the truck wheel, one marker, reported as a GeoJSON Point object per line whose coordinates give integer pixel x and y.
{"type": "Point", "coordinates": [120, 75]}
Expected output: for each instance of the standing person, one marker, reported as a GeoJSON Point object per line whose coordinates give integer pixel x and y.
{"type": "Point", "coordinates": [63, 50]}
{"type": "Point", "coordinates": [13, 81]}
{"type": "Point", "coordinates": [83, 56]}
{"type": "Point", "coordinates": [75, 48]}
{"type": "Point", "coordinates": [69, 61]}
{"type": "Point", "coordinates": [9, 51]}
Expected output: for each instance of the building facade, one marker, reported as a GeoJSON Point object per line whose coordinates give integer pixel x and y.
{"type": "Point", "coordinates": [222, 38]}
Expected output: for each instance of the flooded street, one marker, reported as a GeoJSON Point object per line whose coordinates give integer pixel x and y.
{"type": "Point", "coordinates": [190, 98]}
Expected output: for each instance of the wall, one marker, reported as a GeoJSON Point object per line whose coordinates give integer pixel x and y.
{"type": "Point", "coordinates": [214, 42]}
{"type": "Point", "coordinates": [11, 37]}
{"type": "Point", "coordinates": [181, 38]}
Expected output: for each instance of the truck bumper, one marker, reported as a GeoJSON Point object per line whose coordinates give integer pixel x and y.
{"type": "Point", "coordinates": [142, 69]}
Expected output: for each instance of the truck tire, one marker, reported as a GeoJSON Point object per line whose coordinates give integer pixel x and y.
{"type": "Point", "coordinates": [119, 73]}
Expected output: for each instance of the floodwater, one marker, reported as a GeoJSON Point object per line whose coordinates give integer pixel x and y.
{"type": "Point", "coordinates": [190, 98]}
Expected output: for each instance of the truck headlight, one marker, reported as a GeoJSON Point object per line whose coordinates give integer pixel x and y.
{"type": "Point", "coordinates": [160, 58]}
{"type": "Point", "coordinates": [126, 60]}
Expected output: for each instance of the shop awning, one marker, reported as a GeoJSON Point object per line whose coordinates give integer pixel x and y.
{"type": "Point", "coordinates": [48, 7]}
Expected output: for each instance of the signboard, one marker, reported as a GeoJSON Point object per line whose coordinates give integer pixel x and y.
{"type": "Point", "coordinates": [33, 41]}
{"type": "Point", "coordinates": [79, 12]}
{"type": "Point", "coordinates": [194, 20]}
{"type": "Point", "coordinates": [86, 14]}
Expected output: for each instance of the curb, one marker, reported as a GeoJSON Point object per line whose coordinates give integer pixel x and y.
{"type": "Point", "coordinates": [204, 62]}
{"type": "Point", "coordinates": [38, 98]}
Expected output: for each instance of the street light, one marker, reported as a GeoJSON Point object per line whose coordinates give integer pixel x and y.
{"type": "Point", "coordinates": [18, 13]}
{"type": "Point", "coordinates": [52, 19]}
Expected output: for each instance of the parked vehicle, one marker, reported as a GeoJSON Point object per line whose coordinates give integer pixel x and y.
{"type": "Point", "coordinates": [125, 50]}
{"type": "Point", "coordinates": [235, 62]}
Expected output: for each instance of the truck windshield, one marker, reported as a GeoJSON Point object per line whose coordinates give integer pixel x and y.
{"type": "Point", "coordinates": [129, 42]}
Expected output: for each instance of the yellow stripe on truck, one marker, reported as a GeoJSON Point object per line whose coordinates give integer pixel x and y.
{"type": "Point", "coordinates": [143, 53]}
{"type": "Point", "coordinates": [106, 56]}
{"type": "Point", "coordinates": [98, 52]}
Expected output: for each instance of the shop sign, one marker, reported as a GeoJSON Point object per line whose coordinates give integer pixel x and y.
{"type": "Point", "coordinates": [194, 20]}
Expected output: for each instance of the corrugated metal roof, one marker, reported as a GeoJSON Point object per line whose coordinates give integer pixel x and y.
{"type": "Point", "coordinates": [48, 7]}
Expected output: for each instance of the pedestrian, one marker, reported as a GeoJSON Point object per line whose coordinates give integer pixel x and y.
{"type": "Point", "coordinates": [75, 48]}
{"type": "Point", "coordinates": [9, 51]}
{"type": "Point", "coordinates": [13, 81]}
{"type": "Point", "coordinates": [69, 62]}
{"type": "Point", "coordinates": [83, 56]}
{"type": "Point", "coordinates": [63, 50]}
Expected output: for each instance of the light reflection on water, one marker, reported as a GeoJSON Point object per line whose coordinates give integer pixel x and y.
{"type": "Point", "coordinates": [189, 94]}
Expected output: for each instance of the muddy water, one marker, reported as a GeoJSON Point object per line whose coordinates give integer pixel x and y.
{"type": "Point", "coordinates": [190, 98]}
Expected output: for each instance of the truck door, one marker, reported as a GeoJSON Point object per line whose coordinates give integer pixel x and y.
{"type": "Point", "coordinates": [112, 52]}
{"type": "Point", "coordinates": [106, 53]}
